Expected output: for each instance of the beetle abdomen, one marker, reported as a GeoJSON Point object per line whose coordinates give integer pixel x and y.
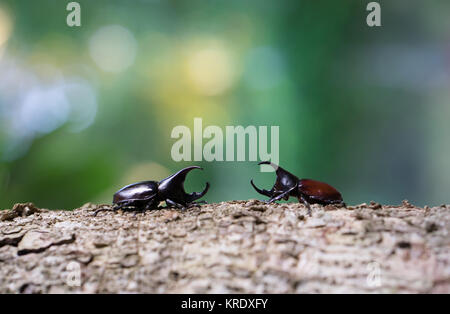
{"type": "Point", "coordinates": [137, 191]}
{"type": "Point", "coordinates": [319, 192]}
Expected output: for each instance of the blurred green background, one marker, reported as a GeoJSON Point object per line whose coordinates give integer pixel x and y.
{"type": "Point", "coordinates": [86, 110]}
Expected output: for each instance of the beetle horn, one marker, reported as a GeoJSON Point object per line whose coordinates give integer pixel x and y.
{"type": "Point", "coordinates": [263, 192]}
{"type": "Point", "coordinates": [279, 171]}
{"type": "Point", "coordinates": [285, 180]}
{"type": "Point", "coordinates": [196, 195]}
{"type": "Point", "coordinates": [175, 183]}
{"type": "Point", "coordinates": [282, 174]}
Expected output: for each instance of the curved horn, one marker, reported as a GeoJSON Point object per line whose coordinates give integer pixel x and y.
{"type": "Point", "coordinates": [285, 180]}
{"type": "Point", "coordinates": [284, 177]}
{"type": "Point", "coordinates": [173, 186]}
{"type": "Point", "coordinates": [183, 172]}
{"type": "Point", "coordinates": [178, 177]}
{"type": "Point", "coordinates": [269, 163]}
{"type": "Point", "coordinates": [263, 192]}
{"type": "Point", "coordinates": [196, 195]}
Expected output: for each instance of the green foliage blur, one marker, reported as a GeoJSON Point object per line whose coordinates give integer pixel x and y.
{"type": "Point", "coordinates": [85, 110]}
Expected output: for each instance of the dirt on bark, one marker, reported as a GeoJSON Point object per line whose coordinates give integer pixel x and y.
{"type": "Point", "coordinates": [229, 247]}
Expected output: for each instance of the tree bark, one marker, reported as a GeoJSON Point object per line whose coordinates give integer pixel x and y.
{"type": "Point", "coordinates": [229, 247]}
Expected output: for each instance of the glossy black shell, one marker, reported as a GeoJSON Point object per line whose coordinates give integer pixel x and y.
{"type": "Point", "coordinates": [136, 192]}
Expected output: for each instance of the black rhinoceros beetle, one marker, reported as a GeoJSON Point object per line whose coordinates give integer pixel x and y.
{"type": "Point", "coordinates": [148, 194]}
{"type": "Point", "coordinates": [306, 190]}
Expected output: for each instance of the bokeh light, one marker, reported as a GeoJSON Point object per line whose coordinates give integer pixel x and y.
{"type": "Point", "coordinates": [210, 69]}
{"type": "Point", "coordinates": [5, 26]}
{"type": "Point", "coordinates": [82, 99]}
{"type": "Point", "coordinates": [113, 48]}
{"type": "Point", "coordinates": [37, 102]}
{"type": "Point", "coordinates": [144, 171]}
{"type": "Point", "coordinates": [44, 109]}
{"type": "Point", "coordinates": [264, 68]}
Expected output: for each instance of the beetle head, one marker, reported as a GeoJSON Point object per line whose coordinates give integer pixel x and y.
{"type": "Point", "coordinates": [285, 181]}
{"type": "Point", "coordinates": [172, 187]}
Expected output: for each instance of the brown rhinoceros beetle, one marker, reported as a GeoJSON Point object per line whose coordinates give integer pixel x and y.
{"type": "Point", "coordinates": [306, 190]}
{"type": "Point", "coordinates": [148, 194]}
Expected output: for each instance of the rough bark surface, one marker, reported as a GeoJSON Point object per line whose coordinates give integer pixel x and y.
{"type": "Point", "coordinates": [230, 247]}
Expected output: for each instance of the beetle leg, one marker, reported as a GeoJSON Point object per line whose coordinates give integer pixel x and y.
{"type": "Point", "coordinates": [149, 206]}
{"type": "Point", "coordinates": [263, 192]}
{"type": "Point", "coordinates": [152, 203]}
{"type": "Point", "coordinates": [122, 205]}
{"type": "Point", "coordinates": [340, 203]}
{"type": "Point", "coordinates": [192, 204]}
{"type": "Point", "coordinates": [171, 203]}
{"type": "Point", "coordinates": [305, 202]}
{"type": "Point", "coordinates": [104, 209]}
{"type": "Point", "coordinates": [284, 195]}
{"type": "Point", "coordinates": [115, 207]}
{"type": "Point", "coordinates": [100, 210]}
